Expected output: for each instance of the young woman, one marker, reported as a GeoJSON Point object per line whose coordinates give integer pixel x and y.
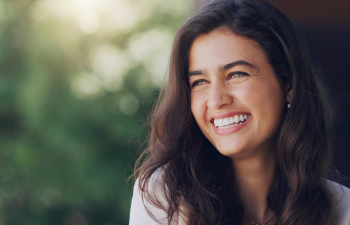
{"type": "Point", "coordinates": [241, 134]}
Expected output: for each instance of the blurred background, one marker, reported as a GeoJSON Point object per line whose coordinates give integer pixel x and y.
{"type": "Point", "coordinates": [77, 80]}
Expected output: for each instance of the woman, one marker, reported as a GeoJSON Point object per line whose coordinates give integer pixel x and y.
{"type": "Point", "coordinates": [241, 134]}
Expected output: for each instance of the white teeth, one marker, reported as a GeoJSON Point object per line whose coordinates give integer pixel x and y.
{"type": "Point", "coordinates": [236, 119]}
{"type": "Point", "coordinates": [221, 122]}
{"type": "Point", "coordinates": [216, 122]}
{"type": "Point", "coordinates": [231, 120]}
{"type": "Point", "coordinates": [226, 122]}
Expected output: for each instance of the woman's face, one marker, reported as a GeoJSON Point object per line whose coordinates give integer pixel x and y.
{"type": "Point", "coordinates": [235, 96]}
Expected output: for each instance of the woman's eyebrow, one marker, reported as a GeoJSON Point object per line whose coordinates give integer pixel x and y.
{"type": "Point", "coordinates": [236, 63]}
{"type": "Point", "coordinates": [195, 72]}
{"type": "Point", "coordinates": [224, 67]}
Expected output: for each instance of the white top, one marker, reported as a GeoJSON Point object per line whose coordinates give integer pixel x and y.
{"type": "Point", "coordinates": [139, 215]}
{"type": "Point", "coordinates": [341, 196]}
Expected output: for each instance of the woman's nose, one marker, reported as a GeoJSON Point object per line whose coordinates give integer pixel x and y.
{"type": "Point", "coordinates": [218, 96]}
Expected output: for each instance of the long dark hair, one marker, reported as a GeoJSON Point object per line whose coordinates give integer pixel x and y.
{"type": "Point", "coordinates": [197, 181]}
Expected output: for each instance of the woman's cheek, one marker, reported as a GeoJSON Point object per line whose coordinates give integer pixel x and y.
{"type": "Point", "coordinates": [198, 104]}
{"type": "Point", "coordinates": [248, 94]}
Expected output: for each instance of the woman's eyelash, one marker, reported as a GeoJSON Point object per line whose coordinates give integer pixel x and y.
{"type": "Point", "coordinates": [197, 82]}
{"type": "Point", "coordinates": [231, 75]}
{"type": "Point", "coordinates": [237, 74]}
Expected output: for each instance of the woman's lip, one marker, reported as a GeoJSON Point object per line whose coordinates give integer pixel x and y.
{"type": "Point", "coordinates": [228, 114]}
{"type": "Point", "coordinates": [230, 129]}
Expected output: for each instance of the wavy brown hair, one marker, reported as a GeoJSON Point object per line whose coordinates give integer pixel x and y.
{"type": "Point", "coordinates": [197, 181]}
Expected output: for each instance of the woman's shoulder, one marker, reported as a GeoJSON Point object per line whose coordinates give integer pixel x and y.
{"type": "Point", "coordinates": [144, 211]}
{"type": "Point", "coordinates": [341, 202]}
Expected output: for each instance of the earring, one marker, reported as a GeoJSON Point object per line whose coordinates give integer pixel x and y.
{"type": "Point", "coordinates": [288, 106]}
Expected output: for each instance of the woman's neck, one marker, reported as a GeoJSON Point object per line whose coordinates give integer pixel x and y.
{"type": "Point", "coordinates": [254, 177]}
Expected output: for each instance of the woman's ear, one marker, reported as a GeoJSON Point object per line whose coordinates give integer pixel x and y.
{"type": "Point", "coordinates": [288, 92]}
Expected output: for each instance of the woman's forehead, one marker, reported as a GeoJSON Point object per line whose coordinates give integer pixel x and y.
{"type": "Point", "coordinates": [221, 47]}
{"type": "Point", "coordinates": [226, 31]}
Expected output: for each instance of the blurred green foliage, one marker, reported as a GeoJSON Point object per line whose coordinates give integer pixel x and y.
{"type": "Point", "coordinates": [77, 80]}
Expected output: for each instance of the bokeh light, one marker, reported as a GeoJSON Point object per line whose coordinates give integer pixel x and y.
{"type": "Point", "coordinates": [128, 104]}
{"type": "Point", "coordinates": [75, 76]}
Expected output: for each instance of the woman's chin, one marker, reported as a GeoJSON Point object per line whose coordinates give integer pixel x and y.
{"type": "Point", "coordinates": [230, 150]}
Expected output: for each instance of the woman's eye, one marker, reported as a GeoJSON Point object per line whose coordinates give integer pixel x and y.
{"type": "Point", "coordinates": [198, 82]}
{"type": "Point", "coordinates": [237, 77]}
{"type": "Point", "coordinates": [237, 74]}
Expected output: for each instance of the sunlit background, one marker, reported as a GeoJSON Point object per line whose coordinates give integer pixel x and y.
{"type": "Point", "coordinates": [77, 80]}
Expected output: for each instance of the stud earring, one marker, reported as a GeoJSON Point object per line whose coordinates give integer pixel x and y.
{"type": "Point", "coordinates": [288, 106]}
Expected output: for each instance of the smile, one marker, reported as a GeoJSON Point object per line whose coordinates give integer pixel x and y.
{"type": "Point", "coordinates": [225, 123]}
